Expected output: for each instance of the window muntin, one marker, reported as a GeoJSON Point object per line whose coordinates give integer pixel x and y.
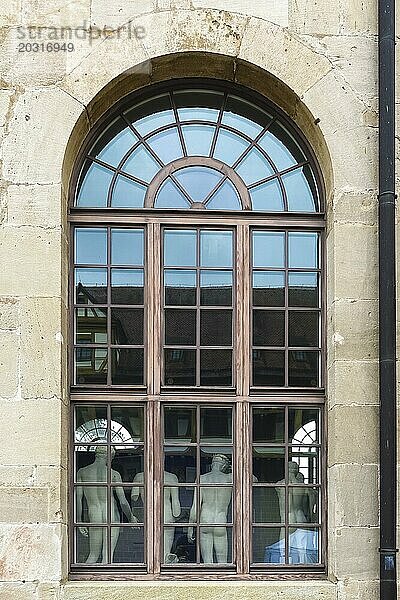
{"type": "Point", "coordinates": [129, 166]}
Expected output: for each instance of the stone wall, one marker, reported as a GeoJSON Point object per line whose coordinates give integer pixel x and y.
{"type": "Point", "coordinates": [320, 64]}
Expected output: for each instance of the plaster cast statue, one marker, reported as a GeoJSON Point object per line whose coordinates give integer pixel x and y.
{"type": "Point", "coordinates": [96, 500]}
{"type": "Point", "coordinates": [214, 505]}
{"type": "Point", "coordinates": [172, 508]}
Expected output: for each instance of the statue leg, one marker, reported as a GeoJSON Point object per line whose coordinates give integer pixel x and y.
{"type": "Point", "coordinates": [96, 544]}
{"type": "Point", "coordinates": [169, 534]}
{"type": "Point", "coordinates": [221, 544]}
{"type": "Point", "coordinates": [114, 540]}
{"type": "Point", "coordinates": [206, 544]}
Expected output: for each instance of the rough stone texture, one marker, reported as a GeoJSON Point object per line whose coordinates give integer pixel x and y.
{"type": "Point", "coordinates": [356, 425]}
{"type": "Point", "coordinates": [358, 590]}
{"type": "Point", "coordinates": [10, 13]}
{"type": "Point", "coordinates": [353, 382]}
{"type": "Point", "coordinates": [18, 591]}
{"type": "Point", "coordinates": [353, 491]}
{"type": "Point", "coordinates": [276, 12]}
{"type": "Point", "coordinates": [23, 505]}
{"type": "Point", "coordinates": [340, 17]}
{"type": "Point", "coordinates": [34, 205]}
{"type": "Point", "coordinates": [356, 556]}
{"type": "Point", "coordinates": [116, 14]}
{"type": "Point", "coordinates": [354, 324]}
{"type": "Point", "coordinates": [9, 350]}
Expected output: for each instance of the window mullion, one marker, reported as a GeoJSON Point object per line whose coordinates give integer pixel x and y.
{"type": "Point", "coordinates": [243, 310]}
{"type": "Point", "coordinates": [154, 303]}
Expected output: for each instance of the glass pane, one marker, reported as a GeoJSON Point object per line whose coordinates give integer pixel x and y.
{"type": "Point", "coordinates": [127, 326]}
{"type": "Point", "coordinates": [137, 497]}
{"type": "Point", "coordinates": [303, 505]}
{"type": "Point", "coordinates": [129, 544]}
{"type": "Point", "coordinates": [268, 464]}
{"type": "Point", "coordinates": [91, 501]}
{"type": "Point", "coordinates": [216, 288]}
{"type": "Point", "coordinates": [91, 286]}
{"type": "Point", "coordinates": [216, 248]}
{"type": "Point", "coordinates": [121, 511]}
{"type": "Point", "coordinates": [180, 288]}
{"type": "Point", "coordinates": [267, 197]}
{"type": "Point", "coordinates": [180, 424]}
{"type": "Point", "coordinates": [93, 190]}
{"type": "Point", "coordinates": [303, 545]}
{"type": "Point", "coordinates": [269, 545]}
{"type": "Point", "coordinates": [170, 196]}
{"type": "Point", "coordinates": [179, 546]}
{"type": "Point", "coordinates": [180, 327]}
{"type": "Point", "coordinates": [269, 288]}
{"type": "Point", "coordinates": [127, 286]}
{"type": "Point", "coordinates": [268, 425]}
{"type": "Point", "coordinates": [91, 545]}
{"type": "Point", "coordinates": [180, 367]}
{"type": "Point", "coordinates": [303, 368]}
{"type": "Point", "coordinates": [300, 189]}
{"type": "Point", "coordinates": [303, 289]}
{"type": "Point", "coordinates": [151, 114]}
{"type": "Point", "coordinates": [216, 465]}
{"type": "Point", "coordinates": [216, 327]}
{"type": "Point", "coordinates": [303, 250]}
{"type": "Point", "coordinates": [215, 425]}
{"type": "Point", "coordinates": [268, 368]}
{"type": "Point", "coordinates": [229, 147]}
{"type": "Point", "coordinates": [303, 425]}
{"type": "Point", "coordinates": [308, 464]}
{"type": "Point", "coordinates": [198, 139]}
{"type": "Point", "coordinates": [91, 365]}
{"type": "Point", "coordinates": [225, 198]}
{"type": "Point", "coordinates": [127, 366]}
{"type": "Point", "coordinates": [198, 182]}
{"type": "Point", "coordinates": [85, 456]}
{"type": "Point", "coordinates": [216, 367]}
{"type": "Point", "coordinates": [216, 545]}
{"type": "Point", "coordinates": [90, 425]}
{"type": "Point", "coordinates": [91, 246]}
{"type": "Point", "coordinates": [179, 465]}
{"type": "Point", "coordinates": [281, 147]}
{"type": "Point", "coordinates": [127, 246]}
{"type": "Point", "coordinates": [141, 164]}
{"type": "Point", "coordinates": [268, 249]}
{"type": "Point", "coordinates": [91, 326]}
{"type": "Point", "coordinates": [268, 328]}
{"type": "Point", "coordinates": [266, 505]}
{"type": "Point", "coordinates": [244, 116]}
{"type": "Point", "coordinates": [127, 424]}
{"type": "Point", "coordinates": [254, 167]}
{"type": "Point", "coordinates": [127, 463]}
{"type": "Point", "coordinates": [198, 105]}
{"type": "Point", "coordinates": [178, 504]}
{"type": "Point", "coordinates": [114, 143]}
{"type": "Point", "coordinates": [180, 248]}
{"type": "Point", "coordinates": [303, 328]}
{"type": "Point", "coordinates": [128, 193]}
{"type": "Point", "coordinates": [166, 145]}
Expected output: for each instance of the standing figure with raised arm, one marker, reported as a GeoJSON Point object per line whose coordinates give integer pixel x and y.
{"type": "Point", "coordinates": [96, 500]}
{"type": "Point", "coordinates": [214, 505]}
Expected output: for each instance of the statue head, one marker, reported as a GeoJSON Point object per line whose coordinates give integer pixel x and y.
{"type": "Point", "coordinates": [223, 461]}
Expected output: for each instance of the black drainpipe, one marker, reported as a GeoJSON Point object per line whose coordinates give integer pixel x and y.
{"type": "Point", "coordinates": [387, 301]}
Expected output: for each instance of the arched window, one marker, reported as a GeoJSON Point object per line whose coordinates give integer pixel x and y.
{"type": "Point", "coordinates": [198, 354]}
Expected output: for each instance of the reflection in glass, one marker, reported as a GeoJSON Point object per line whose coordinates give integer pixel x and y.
{"type": "Point", "coordinates": [179, 424]}
{"type": "Point", "coordinates": [216, 327]}
{"type": "Point", "coordinates": [216, 288]}
{"type": "Point", "coordinates": [170, 196]}
{"type": "Point", "coordinates": [180, 287]}
{"type": "Point", "coordinates": [115, 143]}
{"type": "Point", "coordinates": [281, 147]}
{"type": "Point", "coordinates": [90, 536]}
{"type": "Point", "coordinates": [137, 504]}
{"type": "Point", "coordinates": [128, 461]}
{"type": "Point", "coordinates": [180, 367]}
{"type": "Point", "coordinates": [93, 190]}
{"type": "Point", "coordinates": [216, 545]}
{"type": "Point", "coordinates": [268, 368]}
{"type": "Point", "coordinates": [127, 366]}
{"type": "Point", "coordinates": [216, 248]}
{"type": "Point", "coordinates": [91, 325]}
{"type": "Point", "coordinates": [307, 459]}
{"type": "Point", "coordinates": [303, 250]}
{"type": "Point", "coordinates": [91, 286]}
{"type": "Point", "coordinates": [229, 147]}
{"type": "Point", "coordinates": [127, 246]}
{"type": "Point", "coordinates": [268, 545]}
{"type": "Point", "coordinates": [216, 367]}
{"type": "Point", "coordinates": [91, 365]}
{"type": "Point", "coordinates": [198, 182]}
{"type": "Point", "coordinates": [90, 424]}
{"type": "Point", "coordinates": [245, 116]}
{"type": "Point", "coordinates": [160, 115]}
{"type": "Point", "coordinates": [225, 198]}
{"type": "Point", "coordinates": [216, 466]}
{"type": "Point", "coordinates": [268, 464]}
{"type": "Point", "coordinates": [198, 139]}
{"type": "Point", "coordinates": [127, 286]}
{"type": "Point", "coordinates": [268, 425]}
{"type": "Point", "coordinates": [303, 545]}
{"type": "Point", "coordinates": [303, 505]}
{"type": "Point", "coordinates": [303, 425]}
{"type": "Point", "coordinates": [268, 288]}
{"type": "Point", "coordinates": [199, 105]}
{"type": "Point", "coordinates": [166, 145]}
{"type": "Point", "coordinates": [91, 245]}
{"type": "Point", "coordinates": [300, 190]}
{"type": "Point", "coordinates": [268, 249]}
{"type": "Point", "coordinates": [130, 544]}
{"type": "Point", "coordinates": [185, 500]}
{"type": "Point", "coordinates": [141, 164]}
{"type": "Point", "coordinates": [266, 505]}
{"type": "Point", "coordinates": [180, 327]}
{"type": "Point", "coordinates": [181, 462]}
{"type": "Point", "coordinates": [127, 326]}
{"type": "Point", "coordinates": [128, 193]}
{"type": "Point", "coordinates": [267, 197]}
{"type": "Point", "coordinates": [303, 328]}
{"type": "Point", "coordinates": [254, 167]}
{"type": "Point", "coordinates": [303, 289]}
{"type": "Point", "coordinates": [303, 368]}
{"type": "Point", "coordinates": [94, 508]}
{"type": "Point", "coordinates": [215, 425]}
{"type": "Point", "coordinates": [268, 328]}
{"type": "Point", "coordinates": [182, 550]}
{"type": "Point", "coordinates": [180, 248]}
{"type": "Point", "coordinates": [127, 423]}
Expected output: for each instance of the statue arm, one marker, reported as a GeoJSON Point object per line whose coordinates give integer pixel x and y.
{"type": "Point", "coordinates": [136, 490]}
{"type": "Point", "coordinates": [192, 517]}
{"type": "Point", "coordinates": [79, 507]}
{"type": "Point", "coordinates": [176, 505]}
{"type": "Point", "coordinates": [124, 504]}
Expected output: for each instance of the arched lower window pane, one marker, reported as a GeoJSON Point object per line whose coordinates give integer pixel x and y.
{"type": "Point", "coordinates": [170, 196]}
{"type": "Point", "coordinates": [94, 189]}
{"type": "Point", "coordinates": [225, 198]}
{"type": "Point", "coordinates": [267, 197]}
{"type": "Point", "coordinates": [198, 182]}
{"type": "Point", "coordinates": [128, 193]}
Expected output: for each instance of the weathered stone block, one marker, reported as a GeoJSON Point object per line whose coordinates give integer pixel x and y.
{"type": "Point", "coordinates": [356, 553]}
{"type": "Point", "coordinates": [18, 591]}
{"type": "Point", "coordinates": [9, 354]}
{"type": "Point", "coordinates": [358, 590]}
{"type": "Point", "coordinates": [353, 435]}
{"type": "Point", "coordinates": [23, 505]}
{"type": "Point", "coordinates": [353, 208]}
{"type": "Point", "coordinates": [340, 16]}
{"type": "Point", "coordinates": [55, 480]}
{"type": "Point", "coordinates": [276, 12]}
{"type": "Point", "coordinates": [353, 331]}
{"type": "Point", "coordinates": [10, 14]}
{"type": "Point", "coordinates": [114, 15]}
{"type": "Point", "coordinates": [56, 13]}
{"type": "Point", "coordinates": [353, 495]}
{"type": "Point", "coordinates": [9, 313]}
{"type": "Point", "coordinates": [353, 382]}
{"type": "Point", "coordinates": [35, 205]}
{"type": "Point", "coordinates": [5, 100]}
